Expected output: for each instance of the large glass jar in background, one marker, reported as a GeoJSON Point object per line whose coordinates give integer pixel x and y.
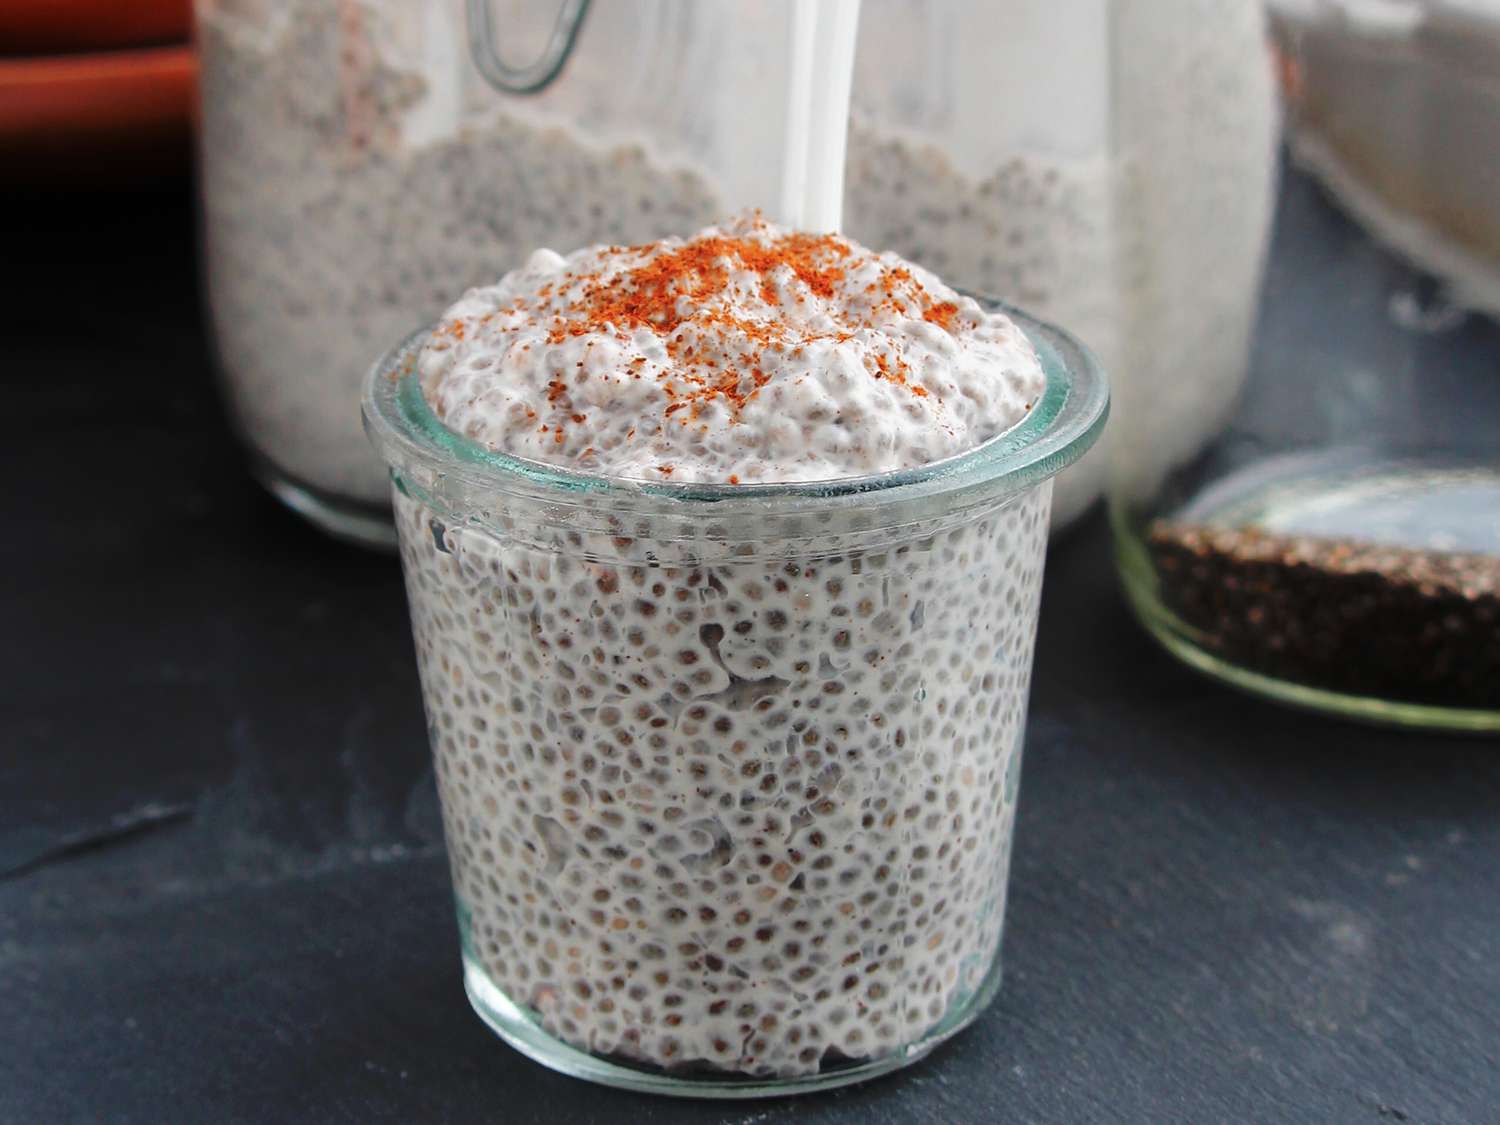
{"type": "Point", "coordinates": [359, 171]}
{"type": "Point", "coordinates": [1106, 164]}
{"type": "Point", "coordinates": [1338, 546]}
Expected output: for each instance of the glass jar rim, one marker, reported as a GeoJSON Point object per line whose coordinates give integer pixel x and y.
{"type": "Point", "coordinates": [1060, 427]}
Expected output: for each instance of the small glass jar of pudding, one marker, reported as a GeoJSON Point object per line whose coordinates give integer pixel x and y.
{"type": "Point", "coordinates": [728, 765]}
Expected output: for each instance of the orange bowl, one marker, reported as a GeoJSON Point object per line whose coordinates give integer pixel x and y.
{"type": "Point", "coordinates": [34, 27]}
{"type": "Point", "coordinates": [121, 114]}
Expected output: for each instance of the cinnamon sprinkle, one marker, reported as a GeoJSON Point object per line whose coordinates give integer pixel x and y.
{"type": "Point", "coordinates": [941, 314]}
{"type": "Point", "coordinates": [683, 284]}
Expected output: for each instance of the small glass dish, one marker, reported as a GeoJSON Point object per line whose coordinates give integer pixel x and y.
{"type": "Point", "coordinates": [1336, 545]}
{"type": "Point", "coordinates": [728, 773]}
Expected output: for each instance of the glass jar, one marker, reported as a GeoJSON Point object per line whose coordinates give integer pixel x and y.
{"type": "Point", "coordinates": [728, 773]}
{"type": "Point", "coordinates": [1107, 164]}
{"type": "Point", "coordinates": [364, 161]}
{"type": "Point", "coordinates": [1338, 545]}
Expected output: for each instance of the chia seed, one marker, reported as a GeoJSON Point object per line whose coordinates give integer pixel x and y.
{"type": "Point", "coordinates": [686, 875]}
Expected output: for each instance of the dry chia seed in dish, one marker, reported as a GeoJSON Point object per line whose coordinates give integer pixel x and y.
{"type": "Point", "coordinates": [1413, 625]}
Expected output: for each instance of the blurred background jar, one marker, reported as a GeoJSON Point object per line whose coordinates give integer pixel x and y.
{"type": "Point", "coordinates": [1338, 545]}
{"type": "Point", "coordinates": [1108, 165]}
{"type": "Point", "coordinates": [365, 161]}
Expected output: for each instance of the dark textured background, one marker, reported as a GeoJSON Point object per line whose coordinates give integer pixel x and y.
{"type": "Point", "coordinates": [222, 890]}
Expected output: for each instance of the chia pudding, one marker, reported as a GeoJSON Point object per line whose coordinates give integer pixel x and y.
{"type": "Point", "coordinates": [725, 636]}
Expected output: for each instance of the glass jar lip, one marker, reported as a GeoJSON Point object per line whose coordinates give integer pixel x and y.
{"type": "Point", "coordinates": [1061, 426]}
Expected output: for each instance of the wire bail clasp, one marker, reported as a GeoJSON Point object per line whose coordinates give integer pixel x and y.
{"type": "Point", "coordinates": [535, 76]}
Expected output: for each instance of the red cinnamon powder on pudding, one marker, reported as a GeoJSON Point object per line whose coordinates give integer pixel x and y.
{"type": "Point", "coordinates": [941, 314]}
{"type": "Point", "coordinates": [652, 295]}
{"type": "Point", "coordinates": [688, 283]}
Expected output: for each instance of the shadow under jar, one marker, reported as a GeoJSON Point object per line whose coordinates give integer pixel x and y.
{"type": "Point", "coordinates": [728, 773]}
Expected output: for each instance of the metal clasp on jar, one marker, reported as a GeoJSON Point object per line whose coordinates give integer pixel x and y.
{"type": "Point", "coordinates": [537, 75]}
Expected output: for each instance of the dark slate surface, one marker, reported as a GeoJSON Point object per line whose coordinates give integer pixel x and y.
{"type": "Point", "coordinates": [222, 890]}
